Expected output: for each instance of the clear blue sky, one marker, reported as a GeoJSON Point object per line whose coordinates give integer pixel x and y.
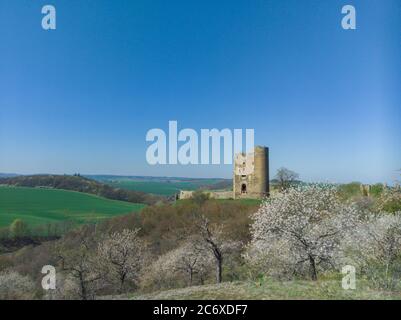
{"type": "Point", "coordinates": [81, 99]}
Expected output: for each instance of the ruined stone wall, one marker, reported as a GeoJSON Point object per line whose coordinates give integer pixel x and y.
{"type": "Point", "coordinates": [212, 194]}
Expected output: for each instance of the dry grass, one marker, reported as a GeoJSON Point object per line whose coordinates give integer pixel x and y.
{"type": "Point", "coordinates": [295, 290]}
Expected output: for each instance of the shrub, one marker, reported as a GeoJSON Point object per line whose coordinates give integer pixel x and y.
{"type": "Point", "coordinates": [14, 286]}
{"type": "Point", "coordinates": [377, 189]}
{"type": "Point", "coordinates": [19, 228]}
{"type": "Point", "coordinates": [375, 248]}
{"type": "Point", "coordinates": [200, 197]}
{"type": "Point", "coordinates": [390, 200]}
{"type": "Point", "coordinates": [349, 190]}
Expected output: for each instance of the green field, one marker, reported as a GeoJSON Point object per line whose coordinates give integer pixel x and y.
{"type": "Point", "coordinates": [38, 206]}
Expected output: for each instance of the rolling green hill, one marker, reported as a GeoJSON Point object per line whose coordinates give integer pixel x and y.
{"type": "Point", "coordinates": [37, 206]}
{"type": "Point", "coordinates": [163, 186]}
{"type": "Point", "coordinates": [80, 184]}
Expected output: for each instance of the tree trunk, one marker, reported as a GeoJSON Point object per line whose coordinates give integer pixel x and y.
{"type": "Point", "coordinates": [122, 282]}
{"type": "Point", "coordinates": [190, 277]}
{"type": "Point", "coordinates": [313, 271]}
{"type": "Point", "coordinates": [219, 269]}
{"type": "Point", "coordinates": [83, 288]}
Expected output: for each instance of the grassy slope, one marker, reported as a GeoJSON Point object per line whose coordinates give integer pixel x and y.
{"type": "Point", "coordinates": [39, 206]}
{"type": "Point", "coordinates": [305, 290]}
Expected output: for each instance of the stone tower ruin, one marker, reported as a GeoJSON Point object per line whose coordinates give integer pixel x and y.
{"type": "Point", "coordinates": [251, 174]}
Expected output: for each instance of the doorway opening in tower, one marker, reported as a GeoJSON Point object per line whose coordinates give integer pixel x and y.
{"type": "Point", "coordinates": [243, 188]}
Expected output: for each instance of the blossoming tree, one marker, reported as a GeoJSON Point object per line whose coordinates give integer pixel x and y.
{"type": "Point", "coordinates": [298, 231]}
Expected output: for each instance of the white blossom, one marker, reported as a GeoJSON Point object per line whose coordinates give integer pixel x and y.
{"type": "Point", "coordinates": [374, 247]}
{"type": "Point", "coordinates": [298, 232]}
{"type": "Point", "coordinates": [121, 257]}
{"type": "Point", "coordinates": [16, 286]}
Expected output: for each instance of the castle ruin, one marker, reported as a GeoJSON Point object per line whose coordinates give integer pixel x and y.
{"type": "Point", "coordinates": [251, 174]}
{"type": "Point", "coordinates": [250, 177]}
